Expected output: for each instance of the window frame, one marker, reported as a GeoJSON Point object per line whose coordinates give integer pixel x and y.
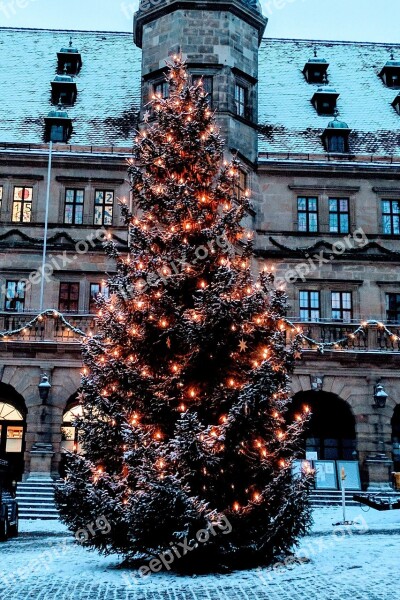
{"type": "Point", "coordinates": [22, 202]}
{"type": "Point", "coordinates": [395, 321]}
{"type": "Point", "coordinates": [197, 77]}
{"type": "Point", "coordinates": [242, 106]}
{"type": "Point", "coordinates": [307, 307]}
{"type": "Point", "coordinates": [392, 215]}
{"type": "Point", "coordinates": [103, 205]}
{"type": "Point", "coordinates": [342, 309]}
{"type": "Point", "coordinates": [164, 85]}
{"type": "Point", "coordinates": [19, 300]}
{"type": "Point", "coordinates": [103, 289]}
{"type": "Point", "coordinates": [308, 212]}
{"type": "Point", "coordinates": [74, 205]}
{"type": "Point", "coordinates": [69, 300]}
{"type": "Point", "coordinates": [339, 214]}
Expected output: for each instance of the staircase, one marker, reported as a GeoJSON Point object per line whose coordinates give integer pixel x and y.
{"type": "Point", "coordinates": [321, 498]}
{"type": "Point", "coordinates": [36, 499]}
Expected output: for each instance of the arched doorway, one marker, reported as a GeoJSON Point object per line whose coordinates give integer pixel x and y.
{"type": "Point", "coordinates": [12, 430]}
{"type": "Point", "coordinates": [69, 432]}
{"type": "Point", "coordinates": [396, 438]}
{"type": "Point", "coordinates": [331, 431]}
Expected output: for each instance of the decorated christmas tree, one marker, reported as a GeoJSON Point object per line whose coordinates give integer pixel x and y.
{"type": "Point", "coordinates": [185, 430]}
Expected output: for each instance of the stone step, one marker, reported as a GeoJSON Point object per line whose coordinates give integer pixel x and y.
{"type": "Point", "coordinates": [36, 500]}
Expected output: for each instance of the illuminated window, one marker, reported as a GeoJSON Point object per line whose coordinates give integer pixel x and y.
{"type": "Point", "coordinates": [1, 196]}
{"type": "Point", "coordinates": [73, 214]}
{"type": "Point", "coordinates": [22, 205]}
{"type": "Point", "coordinates": [103, 207]}
{"type": "Point", "coordinates": [69, 432]}
{"type": "Point", "coordinates": [15, 296]}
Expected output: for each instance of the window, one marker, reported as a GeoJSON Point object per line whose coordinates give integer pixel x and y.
{"type": "Point", "coordinates": [307, 214]}
{"type": "Point", "coordinates": [1, 196]}
{"type": "Point", "coordinates": [393, 308]}
{"type": "Point", "coordinates": [338, 143]}
{"type": "Point", "coordinates": [161, 89]}
{"type": "Point", "coordinates": [339, 218]}
{"type": "Point", "coordinates": [70, 441]}
{"type": "Point", "coordinates": [309, 305]}
{"type": "Point", "coordinates": [69, 297]}
{"type": "Point", "coordinates": [103, 209]}
{"type": "Point", "coordinates": [240, 185]}
{"type": "Point", "coordinates": [342, 307]}
{"type": "Point", "coordinates": [95, 290]}
{"type": "Point", "coordinates": [241, 100]}
{"type": "Point", "coordinates": [15, 296]}
{"type": "Point", "coordinates": [391, 217]}
{"type": "Point", "coordinates": [74, 207]}
{"type": "Point", "coordinates": [22, 205]}
{"type": "Point", "coordinates": [207, 82]}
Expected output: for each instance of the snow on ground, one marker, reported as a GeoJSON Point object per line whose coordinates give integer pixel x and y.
{"type": "Point", "coordinates": [358, 562]}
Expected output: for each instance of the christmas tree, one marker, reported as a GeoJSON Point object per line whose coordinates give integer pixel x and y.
{"type": "Point", "coordinates": [185, 397]}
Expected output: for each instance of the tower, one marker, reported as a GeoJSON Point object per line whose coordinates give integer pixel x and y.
{"type": "Point", "coordinates": [220, 42]}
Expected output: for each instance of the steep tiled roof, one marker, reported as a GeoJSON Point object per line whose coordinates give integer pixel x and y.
{"type": "Point", "coordinates": [109, 91]}
{"type": "Point", "coordinates": [292, 123]}
{"type": "Point", "coordinates": [108, 85]}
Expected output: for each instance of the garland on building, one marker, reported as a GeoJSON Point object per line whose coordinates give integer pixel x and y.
{"type": "Point", "coordinates": [285, 323]}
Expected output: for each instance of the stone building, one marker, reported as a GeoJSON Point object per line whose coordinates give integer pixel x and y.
{"type": "Point", "coordinates": [317, 129]}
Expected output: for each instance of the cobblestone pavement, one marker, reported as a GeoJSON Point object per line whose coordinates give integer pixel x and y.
{"type": "Point", "coordinates": [347, 565]}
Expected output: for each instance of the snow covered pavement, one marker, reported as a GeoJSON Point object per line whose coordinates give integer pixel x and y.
{"type": "Point", "coordinates": [358, 563]}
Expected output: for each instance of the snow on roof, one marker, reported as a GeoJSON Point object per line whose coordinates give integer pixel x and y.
{"type": "Point", "coordinates": [108, 85]}
{"type": "Point", "coordinates": [291, 122]}
{"type": "Point", "coordinates": [109, 91]}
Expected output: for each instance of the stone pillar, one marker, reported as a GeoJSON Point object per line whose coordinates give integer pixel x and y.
{"type": "Point", "coordinates": [379, 471]}
{"type": "Point", "coordinates": [40, 462]}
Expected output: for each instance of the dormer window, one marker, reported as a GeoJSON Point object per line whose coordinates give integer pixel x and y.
{"type": "Point", "coordinates": [324, 101]}
{"type": "Point", "coordinates": [336, 136]}
{"type": "Point", "coordinates": [390, 73]}
{"type": "Point", "coordinates": [58, 126]}
{"type": "Point", "coordinates": [396, 104]}
{"type": "Point", "coordinates": [63, 90]}
{"type": "Point", "coordinates": [315, 70]}
{"type": "Point", "coordinates": [69, 60]}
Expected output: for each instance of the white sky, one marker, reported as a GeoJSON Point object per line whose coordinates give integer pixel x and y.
{"type": "Point", "coordinates": [360, 20]}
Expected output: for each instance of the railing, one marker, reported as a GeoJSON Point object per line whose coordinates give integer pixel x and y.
{"type": "Point", "coordinates": [46, 329]}
{"type": "Point", "coordinates": [326, 157]}
{"type": "Point", "coordinates": [373, 338]}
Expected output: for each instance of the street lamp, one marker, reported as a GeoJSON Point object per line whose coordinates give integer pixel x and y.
{"type": "Point", "coordinates": [380, 396]}
{"type": "Point", "coordinates": [44, 389]}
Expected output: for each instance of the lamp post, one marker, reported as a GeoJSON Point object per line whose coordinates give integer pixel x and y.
{"type": "Point", "coordinates": [44, 389]}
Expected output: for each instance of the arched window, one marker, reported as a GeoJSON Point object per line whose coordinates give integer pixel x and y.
{"type": "Point", "coordinates": [70, 434]}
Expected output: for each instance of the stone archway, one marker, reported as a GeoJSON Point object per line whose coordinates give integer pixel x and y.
{"type": "Point", "coordinates": [13, 414]}
{"type": "Point", "coordinates": [331, 431]}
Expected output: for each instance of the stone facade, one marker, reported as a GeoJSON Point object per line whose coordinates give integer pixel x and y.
{"type": "Point", "coordinates": [220, 40]}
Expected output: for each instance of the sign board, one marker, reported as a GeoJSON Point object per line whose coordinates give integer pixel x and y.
{"type": "Point", "coordinates": [311, 455]}
{"type": "Point", "coordinates": [352, 470]}
{"type": "Point", "coordinates": [325, 476]}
